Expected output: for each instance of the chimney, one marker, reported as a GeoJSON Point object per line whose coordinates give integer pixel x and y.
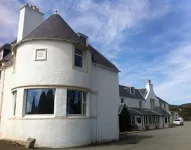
{"type": "Point", "coordinates": [149, 86]}
{"type": "Point", "coordinates": [30, 18]}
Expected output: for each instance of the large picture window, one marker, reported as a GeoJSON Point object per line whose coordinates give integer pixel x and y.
{"type": "Point", "coordinates": [76, 102]}
{"type": "Point", "coordinates": [40, 101]}
{"type": "Point", "coordinates": [79, 58]}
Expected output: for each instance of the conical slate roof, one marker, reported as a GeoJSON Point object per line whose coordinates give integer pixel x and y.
{"type": "Point", "coordinates": [54, 27]}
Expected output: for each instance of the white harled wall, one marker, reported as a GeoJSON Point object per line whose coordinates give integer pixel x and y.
{"type": "Point", "coordinates": [60, 130]}
{"type": "Point", "coordinates": [132, 102]}
{"type": "Point", "coordinates": [107, 88]}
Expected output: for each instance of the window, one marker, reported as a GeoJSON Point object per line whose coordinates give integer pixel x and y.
{"type": "Point", "coordinates": [76, 102]}
{"type": "Point", "coordinates": [122, 100]}
{"type": "Point", "coordinates": [158, 119]}
{"type": "Point", "coordinates": [132, 90]}
{"type": "Point", "coordinates": [166, 120]}
{"type": "Point", "coordinates": [138, 120]}
{"type": "Point", "coordinates": [40, 101]}
{"type": "Point", "coordinates": [145, 120]}
{"type": "Point", "coordinates": [164, 106]}
{"type": "Point", "coordinates": [132, 120]}
{"type": "Point", "coordinates": [14, 101]}
{"type": "Point", "coordinates": [150, 120]}
{"type": "Point", "coordinates": [79, 58]}
{"type": "Point", "coordinates": [41, 54]}
{"type": "Point", "coordinates": [140, 104]}
{"type": "Point", "coordinates": [161, 105]}
{"type": "Point", "coordinates": [152, 103]}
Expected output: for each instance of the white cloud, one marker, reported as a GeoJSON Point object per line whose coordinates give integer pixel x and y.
{"type": "Point", "coordinates": [9, 12]}
{"type": "Point", "coordinates": [107, 25]}
{"type": "Point", "coordinates": [176, 86]}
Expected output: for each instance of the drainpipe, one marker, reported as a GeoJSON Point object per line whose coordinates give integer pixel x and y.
{"type": "Point", "coordinates": [97, 120]}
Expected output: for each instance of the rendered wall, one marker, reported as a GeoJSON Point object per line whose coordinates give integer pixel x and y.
{"type": "Point", "coordinates": [60, 130]}
{"type": "Point", "coordinates": [56, 130]}
{"type": "Point", "coordinates": [107, 87]}
{"type": "Point", "coordinates": [131, 102]}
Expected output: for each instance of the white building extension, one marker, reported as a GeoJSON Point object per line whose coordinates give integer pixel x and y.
{"type": "Point", "coordinates": [144, 110]}
{"type": "Point", "coordinates": [54, 86]}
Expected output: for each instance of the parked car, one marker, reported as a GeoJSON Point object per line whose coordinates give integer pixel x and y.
{"type": "Point", "coordinates": [179, 121]}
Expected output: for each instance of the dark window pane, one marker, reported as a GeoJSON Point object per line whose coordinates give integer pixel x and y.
{"type": "Point", "coordinates": [14, 99]}
{"type": "Point", "coordinates": [74, 102]}
{"type": "Point", "coordinates": [122, 100]}
{"type": "Point", "coordinates": [83, 39]}
{"type": "Point", "coordinates": [79, 52]}
{"type": "Point", "coordinates": [78, 61]}
{"type": "Point", "coordinates": [40, 101]}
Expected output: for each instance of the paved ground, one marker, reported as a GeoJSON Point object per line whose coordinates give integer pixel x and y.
{"type": "Point", "coordinates": [163, 139]}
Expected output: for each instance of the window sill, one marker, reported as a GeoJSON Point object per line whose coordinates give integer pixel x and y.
{"type": "Point", "coordinates": [13, 117]}
{"type": "Point", "coordinates": [39, 116]}
{"type": "Point", "coordinates": [79, 69]}
{"type": "Point", "coordinates": [79, 117]}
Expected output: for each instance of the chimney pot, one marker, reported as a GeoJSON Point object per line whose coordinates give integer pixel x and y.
{"type": "Point", "coordinates": [149, 81]}
{"type": "Point", "coordinates": [26, 17]}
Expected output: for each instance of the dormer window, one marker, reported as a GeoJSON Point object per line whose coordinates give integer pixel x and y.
{"type": "Point", "coordinates": [132, 90]}
{"type": "Point", "coordinates": [79, 58]}
{"type": "Point", "coordinates": [83, 38]}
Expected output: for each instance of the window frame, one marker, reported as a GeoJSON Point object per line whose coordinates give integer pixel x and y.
{"type": "Point", "coordinates": [132, 90]}
{"type": "Point", "coordinates": [25, 115]}
{"type": "Point", "coordinates": [122, 100]}
{"type": "Point", "coordinates": [82, 56]}
{"type": "Point", "coordinates": [40, 49]}
{"type": "Point", "coordinates": [14, 102]}
{"type": "Point", "coordinates": [140, 104]}
{"type": "Point", "coordinates": [83, 103]}
{"type": "Point", "coordinates": [152, 103]}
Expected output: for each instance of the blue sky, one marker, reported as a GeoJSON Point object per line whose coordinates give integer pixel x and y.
{"type": "Point", "coordinates": [146, 39]}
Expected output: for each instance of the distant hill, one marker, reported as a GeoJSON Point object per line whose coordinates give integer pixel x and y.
{"type": "Point", "coordinates": [184, 110]}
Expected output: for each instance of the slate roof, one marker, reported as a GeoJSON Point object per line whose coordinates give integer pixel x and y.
{"type": "Point", "coordinates": [54, 27]}
{"type": "Point", "coordinates": [7, 57]}
{"type": "Point", "coordinates": [143, 92]}
{"type": "Point", "coordinates": [124, 91]}
{"type": "Point", "coordinates": [146, 112]}
{"type": "Point", "coordinates": [5, 46]}
{"type": "Point", "coordinates": [123, 110]}
{"type": "Point", "coordinates": [161, 100]}
{"type": "Point", "coordinates": [161, 111]}
{"type": "Point", "coordinates": [98, 58]}
{"type": "Point", "coordinates": [132, 111]}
